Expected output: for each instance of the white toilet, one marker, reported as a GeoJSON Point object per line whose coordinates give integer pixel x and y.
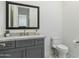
{"type": "Point", "coordinates": [62, 49]}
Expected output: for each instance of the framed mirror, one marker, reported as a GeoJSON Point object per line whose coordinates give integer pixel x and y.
{"type": "Point", "coordinates": [21, 16]}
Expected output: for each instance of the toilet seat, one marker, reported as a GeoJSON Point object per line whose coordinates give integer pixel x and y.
{"type": "Point", "coordinates": [62, 50]}
{"type": "Point", "coordinates": [61, 46]}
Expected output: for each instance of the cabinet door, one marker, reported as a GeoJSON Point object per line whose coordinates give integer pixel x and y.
{"type": "Point", "coordinates": [11, 54]}
{"type": "Point", "coordinates": [7, 45]}
{"type": "Point", "coordinates": [34, 52]}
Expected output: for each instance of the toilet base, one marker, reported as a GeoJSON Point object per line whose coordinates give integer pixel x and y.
{"type": "Point", "coordinates": [61, 51]}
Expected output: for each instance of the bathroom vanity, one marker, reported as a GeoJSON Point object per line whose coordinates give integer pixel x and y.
{"type": "Point", "coordinates": [22, 16]}
{"type": "Point", "coordinates": [22, 47]}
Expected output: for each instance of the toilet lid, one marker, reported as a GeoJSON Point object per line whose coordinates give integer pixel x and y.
{"type": "Point", "coordinates": [62, 46]}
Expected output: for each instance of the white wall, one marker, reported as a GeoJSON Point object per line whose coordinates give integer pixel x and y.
{"type": "Point", "coordinates": [50, 20]}
{"type": "Point", "coordinates": [2, 17]}
{"type": "Point", "coordinates": [71, 26]}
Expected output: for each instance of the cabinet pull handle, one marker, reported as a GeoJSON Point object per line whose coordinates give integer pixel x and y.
{"type": "Point", "coordinates": [2, 44]}
{"type": "Point", "coordinates": [5, 54]}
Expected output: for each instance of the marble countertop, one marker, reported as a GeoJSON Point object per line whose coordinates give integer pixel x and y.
{"type": "Point", "coordinates": [12, 38]}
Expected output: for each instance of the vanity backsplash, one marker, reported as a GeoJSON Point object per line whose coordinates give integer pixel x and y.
{"type": "Point", "coordinates": [21, 33]}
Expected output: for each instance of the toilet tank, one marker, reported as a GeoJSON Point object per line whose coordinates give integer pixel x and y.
{"type": "Point", "coordinates": [56, 40]}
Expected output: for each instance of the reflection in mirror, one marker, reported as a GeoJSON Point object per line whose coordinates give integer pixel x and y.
{"type": "Point", "coordinates": [22, 16]}
{"type": "Point", "coordinates": [23, 20]}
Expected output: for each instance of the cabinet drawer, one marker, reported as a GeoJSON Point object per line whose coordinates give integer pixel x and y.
{"type": "Point", "coordinates": [7, 44]}
{"type": "Point", "coordinates": [23, 43]}
{"type": "Point", "coordinates": [11, 54]}
{"type": "Point", "coordinates": [39, 41]}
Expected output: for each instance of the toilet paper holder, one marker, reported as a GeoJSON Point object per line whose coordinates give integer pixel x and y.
{"type": "Point", "coordinates": [76, 41]}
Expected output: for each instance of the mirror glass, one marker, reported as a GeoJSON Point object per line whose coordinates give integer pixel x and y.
{"type": "Point", "coordinates": [22, 16]}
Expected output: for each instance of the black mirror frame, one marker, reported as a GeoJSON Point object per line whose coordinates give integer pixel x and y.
{"type": "Point", "coordinates": [7, 17]}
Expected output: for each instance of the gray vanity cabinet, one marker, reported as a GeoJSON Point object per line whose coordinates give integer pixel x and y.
{"type": "Point", "coordinates": [31, 48]}
{"type": "Point", "coordinates": [34, 52]}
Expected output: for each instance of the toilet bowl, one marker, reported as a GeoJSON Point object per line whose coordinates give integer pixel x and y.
{"type": "Point", "coordinates": [62, 50]}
